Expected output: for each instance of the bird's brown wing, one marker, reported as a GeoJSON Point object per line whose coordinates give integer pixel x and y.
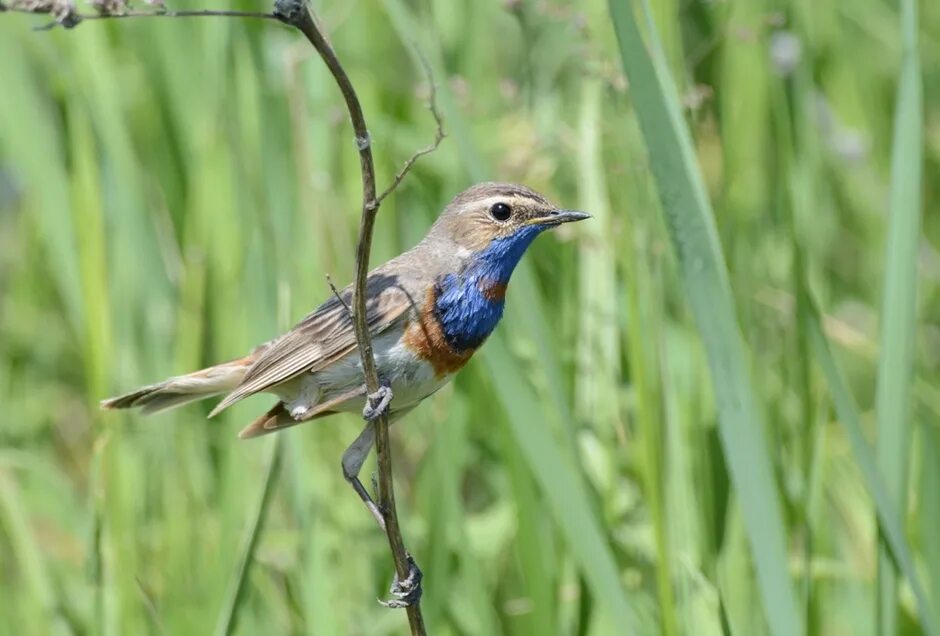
{"type": "Point", "coordinates": [323, 337]}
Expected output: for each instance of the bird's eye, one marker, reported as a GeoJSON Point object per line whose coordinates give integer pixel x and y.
{"type": "Point", "coordinates": [500, 211]}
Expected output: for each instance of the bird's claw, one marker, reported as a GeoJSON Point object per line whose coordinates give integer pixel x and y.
{"type": "Point", "coordinates": [407, 592]}
{"type": "Point", "coordinates": [377, 403]}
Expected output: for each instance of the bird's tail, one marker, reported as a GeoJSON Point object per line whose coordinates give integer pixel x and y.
{"type": "Point", "coordinates": [183, 389]}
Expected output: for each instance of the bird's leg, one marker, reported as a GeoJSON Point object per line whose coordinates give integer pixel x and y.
{"type": "Point", "coordinates": [352, 462]}
{"type": "Point", "coordinates": [409, 591]}
{"type": "Point", "coordinates": [376, 404]}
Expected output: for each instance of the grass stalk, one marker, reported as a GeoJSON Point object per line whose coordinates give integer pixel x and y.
{"type": "Point", "coordinates": [691, 225]}
{"type": "Point", "coordinates": [899, 302]}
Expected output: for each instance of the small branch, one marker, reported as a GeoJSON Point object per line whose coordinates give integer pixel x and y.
{"type": "Point", "coordinates": [439, 134]}
{"type": "Point", "coordinates": [329, 281]}
{"type": "Point", "coordinates": [66, 16]}
{"type": "Point", "coordinates": [295, 13]}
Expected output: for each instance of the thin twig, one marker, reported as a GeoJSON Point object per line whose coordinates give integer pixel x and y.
{"type": "Point", "coordinates": [295, 13]}
{"type": "Point", "coordinates": [329, 281]}
{"type": "Point", "coordinates": [69, 19]}
{"type": "Point", "coordinates": [439, 134]}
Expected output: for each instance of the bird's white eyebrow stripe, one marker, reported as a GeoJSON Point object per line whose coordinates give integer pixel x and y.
{"type": "Point", "coordinates": [509, 198]}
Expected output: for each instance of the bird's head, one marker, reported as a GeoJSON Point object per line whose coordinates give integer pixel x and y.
{"type": "Point", "coordinates": [494, 223]}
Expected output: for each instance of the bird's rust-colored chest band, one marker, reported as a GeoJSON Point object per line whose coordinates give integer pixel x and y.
{"type": "Point", "coordinates": [425, 337]}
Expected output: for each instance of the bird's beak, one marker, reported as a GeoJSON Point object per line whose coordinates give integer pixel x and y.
{"type": "Point", "coordinates": [557, 217]}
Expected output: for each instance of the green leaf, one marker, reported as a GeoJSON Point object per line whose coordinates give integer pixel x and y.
{"type": "Point", "coordinates": [896, 366]}
{"type": "Point", "coordinates": [887, 511]}
{"type": "Point", "coordinates": [562, 487]}
{"type": "Point", "coordinates": [692, 228]}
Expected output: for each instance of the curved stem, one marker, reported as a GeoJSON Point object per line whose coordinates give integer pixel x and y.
{"type": "Point", "coordinates": [296, 14]}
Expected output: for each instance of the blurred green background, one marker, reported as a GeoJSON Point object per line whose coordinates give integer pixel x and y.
{"type": "Point", "coordinates": [174, 192]}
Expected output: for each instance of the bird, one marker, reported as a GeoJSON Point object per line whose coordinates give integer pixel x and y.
{"type": "Point", "coordinates": [428, 311]}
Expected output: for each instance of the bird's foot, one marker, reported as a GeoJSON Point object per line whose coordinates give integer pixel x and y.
{"type": "Point", "coordinates": [407, 592]}
{"type": "Point", "coordinates": [377, 403]}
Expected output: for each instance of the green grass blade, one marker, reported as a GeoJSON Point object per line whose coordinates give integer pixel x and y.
{"type": "Point", "coordinates": [895, 369]}
{"type": "Point", "coordinates": [235, 596]}
{"type": "Point", "coordinates": [929, 516]}
{"type": "Point", "coordinates": [563, 489]}
{"type": "Point", "coordinates": [692, 229]}
{"type": "Point", "coordinates": [28, 553]}
{"type": "Point", "coordinates": [597, 377]}
{"type": "Point", "coordinates": [888, 516]}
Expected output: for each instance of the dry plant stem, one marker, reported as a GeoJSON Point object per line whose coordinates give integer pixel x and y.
{"type": "Point", "coordinates": [329, 281]}
{"type": "Point", "coordinates": [70, 19]}
{"type": "Point", "coordinates": [438, 135]}
{"type": "Point", "coordinates": [296, 14]}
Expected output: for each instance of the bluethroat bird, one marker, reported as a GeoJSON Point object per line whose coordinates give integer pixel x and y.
{"type": "Point", "coordinates": [428, 311]}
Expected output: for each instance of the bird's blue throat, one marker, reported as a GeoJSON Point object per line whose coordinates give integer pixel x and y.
{"type": "Point", "coordinates": [469, 305]}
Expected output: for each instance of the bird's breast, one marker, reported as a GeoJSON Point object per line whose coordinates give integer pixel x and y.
{"type": "Point", "coordinates": [456, 317]}
{"type": "Point", "coordinates": [426, 338]}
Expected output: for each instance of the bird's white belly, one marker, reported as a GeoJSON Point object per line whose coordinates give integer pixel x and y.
{"type": "Point", "coordinates": [411, 378]}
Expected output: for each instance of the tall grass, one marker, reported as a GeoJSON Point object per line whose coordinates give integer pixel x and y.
{"type": "Point", "coordinates": [895, 371]}
{"type": "Point", "coordinates": [174, 192]}
{"type": "Point", "coordinates": [704, 276]}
